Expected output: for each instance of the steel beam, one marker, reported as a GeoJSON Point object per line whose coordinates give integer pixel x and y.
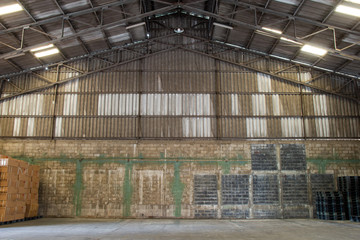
{"type": "Point", "coordinates": [258, 22]}
{"type": "Point", "coordinates": [82, 75]}
{"type": "Point", "coordinates": [66, 16]}
{"type": "Point", "coordinates": [286, 26]}
{"type": "Point", "coordinates": [40, 27]}
{"type": "Point", "coordinates": [86, 56]}
{"type": "Point", "coordinates": [71, 27]}
{"type": "Point", "coordinates": [89, 30]}
{"type": "Point", "coordinates": [331, 51]}
{"type": "Point", "coordinates": [289, 16]}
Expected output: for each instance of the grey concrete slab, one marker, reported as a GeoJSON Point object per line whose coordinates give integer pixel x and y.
{"type": "Point", "coordinates": [91, 229]}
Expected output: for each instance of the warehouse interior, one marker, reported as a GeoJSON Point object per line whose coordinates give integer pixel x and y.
{"type": "Point", "coordinates": [201, 119]}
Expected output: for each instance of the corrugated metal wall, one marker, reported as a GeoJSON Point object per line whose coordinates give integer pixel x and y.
{"type": "Point", "coordinates": [179, 94]}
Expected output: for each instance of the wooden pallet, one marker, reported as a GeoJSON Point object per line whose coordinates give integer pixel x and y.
{"type": "Point", "coordinates": [20, 220]}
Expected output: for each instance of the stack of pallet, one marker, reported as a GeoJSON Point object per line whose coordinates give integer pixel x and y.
{"type": "Point", "coordinates": [330, 206]}
{"type": "Point", "coordinates": [350, 187]}
{"type": "Point", "coordinates": [19, 183]}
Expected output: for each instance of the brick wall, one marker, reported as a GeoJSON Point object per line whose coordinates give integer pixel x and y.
{"type": "Point", "coordinates": [186, 179]}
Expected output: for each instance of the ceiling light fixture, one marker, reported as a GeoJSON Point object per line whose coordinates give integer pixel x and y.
{"type": "Point", "coordinates": [271, 30]}
{"type": "Point", "coordinates": [178, 30]}
{"type": "Point", "coordinates": [289, 40]}
{"type": "Point", "coordinates": [348, 10]}
{"type": "Point", "coordinates": [42, 48]}
{"type": "Point", "coordinates": [46, 53]}
{"type": "Point", "coordinates": [223, 26]}
{"type": "Point", "coordinates": [135, 25]}
{"type": "Point", "coordinates": [314, 50]}
{"type": "Point", "coordinates": [353, 1]}
{"type": "Point", "coordinates": [10, 9]}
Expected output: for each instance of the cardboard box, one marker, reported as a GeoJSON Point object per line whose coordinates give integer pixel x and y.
{"type": "Point", "coordinates": [9, 169]}
{"type": "Point", "coordinates": [34, 196]}
{"type": "Point", "coordinates": [23, 190]}
{"type": "Point", "coordinates": [10, 182]}
{"type": "Point", "coordinates": [8, 197]}
{"type": "Point", "coordinates": [7, 210]}
{"type": "Point", "coordinates": [8, 161]}
{"type": "Point", "coordinates": [8, 204]}
{"type": "Point", "coordinates": [3, 175]}
{"type": "Point", "coordinates": [23, 164]}
{"type": "Point", "coordinates": [7, 218]}
{"type": "Point", "coordinates": [8, 189]}
{"type": "Point", "coordinates": [34, 170]}
{"type": "Point", "coordinates": [19, 216]}
{"type": "Point", "coordinates": [34, 186]}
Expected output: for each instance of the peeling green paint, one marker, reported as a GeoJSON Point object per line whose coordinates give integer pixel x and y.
{"type": "Point", "coordinates": [177, 189]}
{"type": "Point", "coordinates": [225, 166]}
{"type": "Point", "coordinates": [78, 187]}
{"type": "Point", "coordinates": [127, 190]}
{"type": "Point", "coordinates": [162, 155]}
{"type": "Point", "coordinates": [322, 163]}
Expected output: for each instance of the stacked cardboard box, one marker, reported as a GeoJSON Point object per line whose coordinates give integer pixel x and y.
{"type": "Point", "coordinates": [17, 190]}
{"type": "Point", "coordinates": [32, 201]}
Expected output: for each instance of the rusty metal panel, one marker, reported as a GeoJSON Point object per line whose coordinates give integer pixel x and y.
{"type": "Point", "coordinates": [178, 94]}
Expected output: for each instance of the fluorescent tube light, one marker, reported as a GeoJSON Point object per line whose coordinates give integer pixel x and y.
{"type": "Point", "coordinates": [46, 53]}
{"type": "Point", "coordinates": [10, 9]}
{"type": "Point", "coordinates": [348, 10]}
{"type": "Point", "coordinates": [289, 40]}
{"type": "Point", "coordinates": [135, 25]}
{"type": "Point", "coordinates": [353, 1]}
{"type": "Point", "coordinates": [314, 50]}
{"type": "Point", "coordinates": [42, 48]}
{"type": "Point", "coordinates": [223, 26]}
{"type": "Point", "coordinates": [272, 30]}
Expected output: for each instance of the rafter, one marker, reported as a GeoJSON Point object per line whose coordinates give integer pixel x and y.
{"type": "Point", "coordinates": [287, 25]}
{"type": "Point", "coordinates": [290, 16]}
{"type": "Point", "coordinates": [6, 76]}
{"type": "Point", "coordinates": [318, 28]}
{"type": "Point", "coordinates": [66, 16]}
{"type": "Point", "coordinates": [18, 41]}
{"type": "Point", "coordinates": [22, 92]}
{"type": "Point", "coordinates": [40, 27]}
{"type": "Point", "coordinates": [90, 30]}
{"type": "Point", "coordinates": [258, 22]}
{"type": "Point", "coordinates": [82, 44]}
{"type": "Point", "coordinates": [100, 22]}
{"type": "Point", "coordinates": [331, 51]}
{"type": "Point", "coordinates": [185, 48]}
{"type": "Point", "coordinates": [42, 77]}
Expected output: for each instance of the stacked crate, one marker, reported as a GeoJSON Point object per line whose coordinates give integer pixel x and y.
{"type": "Point", "coordinates": [17, 189]}
{"type": "Point", "coordinates": [350, 187]}
{"type": "Point", "coordinates": [330, 206]}
{"type": "Point", "coordinates": [9, 182]}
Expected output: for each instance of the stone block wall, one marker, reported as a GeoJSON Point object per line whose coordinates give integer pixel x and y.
{"type": "Point", "coordinates": [185, 179]}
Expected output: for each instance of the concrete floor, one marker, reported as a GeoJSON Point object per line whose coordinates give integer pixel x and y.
{"type": "Point", "coordinates": [90, 229]}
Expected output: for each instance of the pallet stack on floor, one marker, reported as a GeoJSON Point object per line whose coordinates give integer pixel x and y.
{"type": "Point", "coordinates": [19, 184]}
{"type": "Point", "coordinates": [350, 187]}
{"type": "Point", "coordinates": [330, 206]}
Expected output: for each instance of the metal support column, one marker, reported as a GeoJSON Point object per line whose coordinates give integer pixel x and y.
{"type": "Point", "coordinates": [55, 102]}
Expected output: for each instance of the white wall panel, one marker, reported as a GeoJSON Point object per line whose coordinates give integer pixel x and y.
{"type": "Point", "coordinates": [256, 127]}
